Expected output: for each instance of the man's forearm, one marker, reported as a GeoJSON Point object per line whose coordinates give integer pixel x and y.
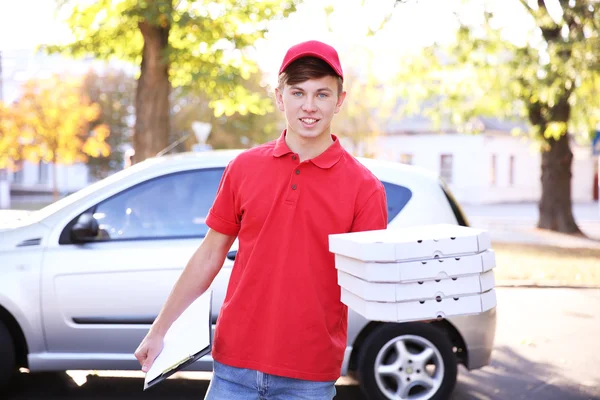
{"type": "Point", "coordinates": [195, 279]}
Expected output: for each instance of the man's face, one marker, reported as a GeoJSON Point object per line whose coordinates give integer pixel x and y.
{"type": "Point", "coordinates": [309, 106]}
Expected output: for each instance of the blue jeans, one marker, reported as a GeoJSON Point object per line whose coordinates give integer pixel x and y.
{"type": "Point", "coordinates": [229, 383]}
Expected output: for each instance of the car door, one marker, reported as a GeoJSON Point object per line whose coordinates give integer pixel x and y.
{"type": "Point", "coordinates": [100, 297]}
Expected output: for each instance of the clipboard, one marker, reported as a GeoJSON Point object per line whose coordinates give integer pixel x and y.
{"type": "Point", "coordinates": [188, 339]}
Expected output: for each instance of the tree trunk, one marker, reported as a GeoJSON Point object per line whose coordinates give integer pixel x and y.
{"type": "Point", "coordinates": [54, 180]}
{"type": "Point", "coordinates": [152, 96]}
{"type": "Point", "coordinates": [555, 205]}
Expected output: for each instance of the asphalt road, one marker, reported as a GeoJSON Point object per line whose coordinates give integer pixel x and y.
{"type": "Point", "coordinates": [547, 348]}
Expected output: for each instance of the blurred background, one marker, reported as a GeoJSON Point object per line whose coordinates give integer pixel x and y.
{"type": "Point", "coordinates": [500, 98]}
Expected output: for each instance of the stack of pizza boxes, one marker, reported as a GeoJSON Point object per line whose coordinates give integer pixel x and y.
{"type": "Point", "coordinates": [416, 273]}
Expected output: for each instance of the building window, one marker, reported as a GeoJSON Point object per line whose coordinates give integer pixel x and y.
{"type": "Point", "coordinates": [18, 174]}
{"type": "Point", "coordinates": [493, 171]}
{"type": "Point", "coordinates": [43, 169]}
{"type": "Point", "coordinates": [511, 171]}
{"type": "Point", "coordinates": [406, 158]}
{"type": "Point", "coordinates": [446, 167]}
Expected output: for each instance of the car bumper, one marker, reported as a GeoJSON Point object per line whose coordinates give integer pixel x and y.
{"type": "Point", "coordinates": [478, 332]}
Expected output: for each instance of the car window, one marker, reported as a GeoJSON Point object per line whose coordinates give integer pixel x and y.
{"type": "Point", "coordinates": [171, 206]}
{"type": "Point", "coordinates": [397, 197]}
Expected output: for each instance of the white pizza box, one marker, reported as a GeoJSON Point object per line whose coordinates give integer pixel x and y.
{"type": "Point", "coordinates": [418, 270]}
{"type": "Point", "coordinates": [410, 243]}
{"type": "Point", "coordinates": [423, 290]}
{"type": "Point", "coordinates": [422, 310]}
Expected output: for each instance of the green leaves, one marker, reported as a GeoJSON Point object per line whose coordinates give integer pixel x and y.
{"type": "Point", "coordinates": [104, 29]}
{"type": "Point", "coordinates": [207, 44]}
{"type": "Point", "coordinates": [551, 79]}
{"type": "Point", "coordinates": [230, 130]}
{"type": "Point", "coordinates": [554, 130]}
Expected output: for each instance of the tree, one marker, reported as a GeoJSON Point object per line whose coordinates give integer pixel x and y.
{"type": "Point", "coordinates": [197, 45]}
{"type": "Point", "coordinates": [114, 91]}
{"type": "Point", "coordinates": [51, 122]}
{"type": "Point", "coordinates": [11, 128]}
{"type": "Point", "coordinates": [370, 103]}
{"type": "Point", "coordinates": [366, 111]}
{"type": "Point", "coordinates": [551, 80]}
{"type": "Point", "coordinates": [234, 131]}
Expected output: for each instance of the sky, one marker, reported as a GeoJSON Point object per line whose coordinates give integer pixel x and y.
{"type": "Point", "coordinates": [24, 24]}
{"type": "Point", "coordinates": [27, 23]}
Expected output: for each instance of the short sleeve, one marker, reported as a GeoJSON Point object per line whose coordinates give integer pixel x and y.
{"type": "Point", "coordinates": [373, 214]}
{"type": "Point", "coordinates": [224, 215]}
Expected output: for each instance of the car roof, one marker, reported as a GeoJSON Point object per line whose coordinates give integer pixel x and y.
{"type": "Point", "coordinates": [187, 160]}
{"type": "Point", "coordinates": [427, 205]}
{"type": "Point", "coordinates": [428, 202]}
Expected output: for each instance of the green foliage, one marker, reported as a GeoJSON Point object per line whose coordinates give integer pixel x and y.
{"type": "Point", "coordinates": [552, 79]}
{"type": "Point", "coordinates": [367, 109]}
{"type": "Point", "coordinates": [207, 41]}
{"type": "Point", "coordinates": [234, 131]}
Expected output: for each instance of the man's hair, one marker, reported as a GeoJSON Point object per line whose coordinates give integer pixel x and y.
{"type": "Point", "coordinates": [306, 68]}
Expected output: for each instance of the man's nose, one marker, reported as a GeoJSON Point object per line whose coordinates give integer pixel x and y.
{"type": "Point", "coordinates": [309, 104]}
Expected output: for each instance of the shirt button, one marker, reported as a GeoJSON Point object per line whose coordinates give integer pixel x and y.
{"type": "Point", "coordinates": [294, 158]}
{"type": "Point", "coordinates": [297, 172]}
{"type": "Point", "coordinates": [294, 187]}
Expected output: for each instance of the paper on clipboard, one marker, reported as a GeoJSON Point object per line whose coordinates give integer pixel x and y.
{"type": "Point", "coordinates": [188, 339]}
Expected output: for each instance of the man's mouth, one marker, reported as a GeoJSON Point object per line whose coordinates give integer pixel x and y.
{"type": "Point", "coordinates": [309, 121]}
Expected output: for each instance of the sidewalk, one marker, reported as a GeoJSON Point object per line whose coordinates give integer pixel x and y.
{"type": "Point", "coordinates": [516, 223]}
{"type": "Point", "coordinates": [582, 211]}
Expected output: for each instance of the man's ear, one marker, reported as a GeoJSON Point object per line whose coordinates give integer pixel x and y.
{"type": "Point", "coordinates": [279, 99]}
{"type": "Point", "coordinates": [340, 101]}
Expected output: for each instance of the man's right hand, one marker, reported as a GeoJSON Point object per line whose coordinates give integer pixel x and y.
{"type": "Point", "coordinates": [195, 279]}
{"type": "Point", "coordinates": [149, 349]}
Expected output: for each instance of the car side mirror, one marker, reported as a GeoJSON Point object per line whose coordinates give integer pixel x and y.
{"type": "Point", "coordinates": [85, 229]}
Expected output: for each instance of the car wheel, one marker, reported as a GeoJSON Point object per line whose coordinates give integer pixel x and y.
{"type": "Point", "coordinates": [8, 365]}
{"type": "Point", "coordinates": [407, 361]}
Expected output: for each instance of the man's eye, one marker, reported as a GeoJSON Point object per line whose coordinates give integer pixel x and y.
{"type": "Point", "coordinates": [297, 94]}
{"type": "Point", "coordinates": [322, 95]}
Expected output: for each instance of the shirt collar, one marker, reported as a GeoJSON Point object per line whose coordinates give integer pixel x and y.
{"type": "Point", "coordinates": [281, 147]}
{"type": "Point", "coordinates": [325, 160]}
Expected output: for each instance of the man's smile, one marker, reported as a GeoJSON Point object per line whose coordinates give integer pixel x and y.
{"type": "Point", "coordinates": [309, 121]}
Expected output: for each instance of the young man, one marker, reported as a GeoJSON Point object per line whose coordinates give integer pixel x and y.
{"type": "Point", "coordinates": [282, 330]}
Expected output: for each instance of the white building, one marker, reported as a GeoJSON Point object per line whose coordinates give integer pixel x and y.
{"type": "Point", "coordinates": [33, 178]}
{"type": "Point", "coordinates": [490, 167]}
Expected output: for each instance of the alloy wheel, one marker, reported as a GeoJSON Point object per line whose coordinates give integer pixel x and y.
{"type": "Point", "coordinates": [409, 367]}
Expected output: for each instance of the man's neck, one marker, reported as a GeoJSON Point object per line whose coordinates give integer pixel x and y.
{"type": "Point", "coordinates": [308, 148]}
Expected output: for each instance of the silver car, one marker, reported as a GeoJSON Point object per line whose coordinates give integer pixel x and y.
{"type": "Point", "coordinates": [83, 278]}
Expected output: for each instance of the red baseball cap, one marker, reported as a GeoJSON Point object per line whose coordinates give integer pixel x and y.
{"type": "Point", "coordinates": [313, 48]}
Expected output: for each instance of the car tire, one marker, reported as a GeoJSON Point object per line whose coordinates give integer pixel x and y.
{"type": "Point", "coordinates": [8, 366]}
{"type": "Point", "coordinates": [398, 360]}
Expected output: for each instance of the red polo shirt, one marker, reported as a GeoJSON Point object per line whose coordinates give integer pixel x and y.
{"type": "Point", "coordinates": [282, 313]}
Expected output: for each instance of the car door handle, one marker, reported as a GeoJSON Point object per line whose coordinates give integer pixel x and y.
{"type": "Point", "coordinates": [231, 255]}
